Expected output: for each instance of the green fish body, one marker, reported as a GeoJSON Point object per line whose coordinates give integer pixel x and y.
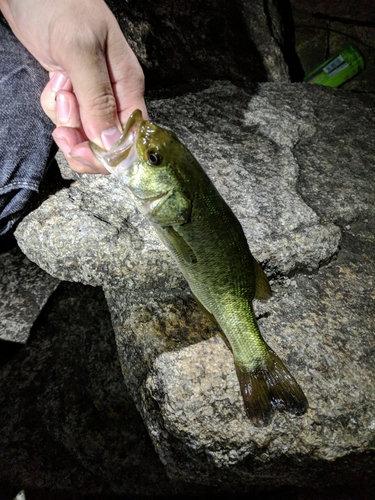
{"type": "Point", "coordinates": [193, 220]}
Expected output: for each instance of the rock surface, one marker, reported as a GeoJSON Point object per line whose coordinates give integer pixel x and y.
{"type": "Point", "coordinates": [266, 28]}
{"type": "Point", "coordinates": [296, 165]}
{"type": "Point", "coordinates": [24, 290]}
{"type": "Point", "coordinates": [68, 426]}
{"type": "Point", "coordinates": [177, 41]}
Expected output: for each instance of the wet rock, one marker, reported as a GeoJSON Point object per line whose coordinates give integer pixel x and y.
{"type": "Point", "coordinates": [258, 146]}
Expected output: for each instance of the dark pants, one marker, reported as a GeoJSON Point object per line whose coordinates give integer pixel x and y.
{"type": "Point", "coordinates": [25, 131]}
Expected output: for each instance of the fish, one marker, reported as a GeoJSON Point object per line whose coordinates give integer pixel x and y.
{"type": "Point", "coordinates": [173, 191]}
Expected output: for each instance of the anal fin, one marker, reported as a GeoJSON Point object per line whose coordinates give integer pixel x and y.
{"type": "Point", "coordinates": [262, 287]}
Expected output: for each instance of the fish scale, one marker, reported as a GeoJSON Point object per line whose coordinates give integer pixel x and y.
{"type": "Point", "coordinates": [227, 295]}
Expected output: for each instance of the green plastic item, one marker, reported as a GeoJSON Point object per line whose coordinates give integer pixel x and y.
{"type": "Point", "coordinates": [337, 70]}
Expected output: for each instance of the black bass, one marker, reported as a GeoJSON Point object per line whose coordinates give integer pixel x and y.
{"type": "Point", "coordinates": [172, 190]}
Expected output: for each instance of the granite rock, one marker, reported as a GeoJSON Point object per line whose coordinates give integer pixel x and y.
{"type": "Point", "coordinates": [266, 28]}
{"type": "Point", "coordinates": [24, 290]}
{"type": "Point", "coordinates": [177, 41]}
{"type": "Point", "coordinates": [300, 178]}
{"type": "Point", "coordinates": [68, 426]}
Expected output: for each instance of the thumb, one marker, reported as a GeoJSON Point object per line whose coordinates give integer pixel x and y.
{"type": "Point", "coordinates": [88, 73]}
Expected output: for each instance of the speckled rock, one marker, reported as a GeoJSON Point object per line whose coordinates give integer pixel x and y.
{"type": "Point", "coordinates": [287, 160]}
{"type": "Point", "coordinates": [24, 289]}
{"type": "Point", "coordinates": [68, 426]}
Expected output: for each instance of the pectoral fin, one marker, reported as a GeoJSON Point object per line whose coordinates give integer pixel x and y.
{"type": "Point", "coordinates": [177, 244]}
{"type": "Point", "coordinates": [262, 287]}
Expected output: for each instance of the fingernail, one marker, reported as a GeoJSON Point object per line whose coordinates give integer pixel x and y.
{"type": "Point", "coordinates": [58, 81]}
{"type": "Point", "coordinates": [110, 136]}
{"type": "Point", "coordinates": [82, 160]}
{"type": "Point", "coordinates": [62, 108]}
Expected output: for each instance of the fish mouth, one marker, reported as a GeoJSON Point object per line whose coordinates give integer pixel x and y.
{"type": "Point", "coordinates": [148, 205]}
{"type": "Point", "coordinates": [121, 156]}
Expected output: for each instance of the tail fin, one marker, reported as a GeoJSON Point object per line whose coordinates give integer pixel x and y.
{"type": "Point", "coordinates": [268, 387]}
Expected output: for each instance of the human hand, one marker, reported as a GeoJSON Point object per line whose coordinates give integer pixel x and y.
{"type": "Point", "coordinates": [95, 82]}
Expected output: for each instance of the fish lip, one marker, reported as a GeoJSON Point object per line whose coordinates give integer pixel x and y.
{"type": "Point", "coordinates": [123, 153]}
{"type": "Point", "coordinates": [152, 199]}
{"type": "Point", "coordinates": [120, 150]}
{"type": "Point", "coordinates": [147, 205]}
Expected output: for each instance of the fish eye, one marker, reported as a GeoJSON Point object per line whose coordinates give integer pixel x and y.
{"type": "Point", "coordinates": [154, 158]}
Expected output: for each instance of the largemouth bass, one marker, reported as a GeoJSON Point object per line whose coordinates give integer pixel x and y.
{"type": "Point", "coordinates": [172, 190]}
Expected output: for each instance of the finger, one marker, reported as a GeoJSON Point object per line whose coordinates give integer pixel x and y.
{"type": "Point", "coordinates": [70, 136]}
{"type": "Point", "coordinates": [67, 110]}
{"type": "Point", "coordinates": [68, 115]}
{"type": "Point", "coordinates": [69, 131]}
{"type": "Point", "coordinates": [77, 151]}
{"type": "Point", "coordinates": [57, 82]}
{"type": "Point", "coordinates": [84, 155]}
{"type": "Point", "coordinates": [92, 86]}
{"type": "Point", "coordinates": [108, 82]}
{"type": "Point", "coordinates": [127, 77]}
